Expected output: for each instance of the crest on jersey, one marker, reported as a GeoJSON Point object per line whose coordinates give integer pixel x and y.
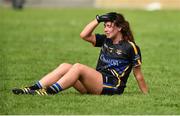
{"type": "Point", "coordinates": [118, 51]}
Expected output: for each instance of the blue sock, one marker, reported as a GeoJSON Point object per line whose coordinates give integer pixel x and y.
{"type": "Point", "coordinates": [39, 85]}
{"type": "Point", "coordinates": [53, 89]}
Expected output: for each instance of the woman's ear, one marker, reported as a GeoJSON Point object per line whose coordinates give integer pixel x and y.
{"type": "Point", "coordinates": [119, 28]}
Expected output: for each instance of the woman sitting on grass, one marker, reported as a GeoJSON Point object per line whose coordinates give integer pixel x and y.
{"type": "Point", "coordinates": [118, 56]}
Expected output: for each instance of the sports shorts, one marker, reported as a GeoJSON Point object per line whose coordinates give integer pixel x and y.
{"type": "Point", "coordinates": [109, 85]}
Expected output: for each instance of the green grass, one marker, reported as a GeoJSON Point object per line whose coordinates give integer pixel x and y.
{"type": "Point", "coordinates": [35, 41]}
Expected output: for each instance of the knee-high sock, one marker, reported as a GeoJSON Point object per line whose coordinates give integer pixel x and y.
{"type": "Point", "coordinates": [36, 86]}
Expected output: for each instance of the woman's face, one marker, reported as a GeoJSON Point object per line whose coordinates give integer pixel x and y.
{"type": "Point", "coordinates": [111, 30]}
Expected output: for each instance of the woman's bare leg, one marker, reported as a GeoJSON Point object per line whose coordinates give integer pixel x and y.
{"type": "Point", "coordinates": [56, 74]}
{"type": "Point", "coordinates": [89, 77]}
{"type": "Point", "coordinates": [80, 87]}
{"type": "Point", "coordinates": [50, 79]}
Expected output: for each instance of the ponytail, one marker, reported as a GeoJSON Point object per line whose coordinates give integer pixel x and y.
{"type": "Point", "coordinates": [125, 27]}
{"type": "Point", "coordinates": [126, 32]}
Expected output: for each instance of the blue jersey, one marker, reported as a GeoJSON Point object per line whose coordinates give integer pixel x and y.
{"type": "Point", "coordinates": [117, 60]}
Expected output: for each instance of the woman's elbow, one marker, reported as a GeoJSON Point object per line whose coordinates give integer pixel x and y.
{"type": "Point", "coordinates": [82, 35]}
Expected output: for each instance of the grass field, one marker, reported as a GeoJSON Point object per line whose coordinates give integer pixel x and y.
{"type": "Point", "coordinates": [35, 41]}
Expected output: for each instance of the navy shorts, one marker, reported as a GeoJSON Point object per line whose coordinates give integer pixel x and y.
{"type": "Point", "coordinates": [109, 85]}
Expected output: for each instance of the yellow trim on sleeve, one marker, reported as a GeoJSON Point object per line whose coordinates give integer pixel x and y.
{"type": "Point", "coordinates": [135, 50]}
{"type": "Point", "coordinates": [134, 47]}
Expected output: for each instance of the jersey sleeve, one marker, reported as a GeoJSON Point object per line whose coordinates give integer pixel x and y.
{"type": "Point", "coordinates": [99, 40]}
{"type": "Point", "coordinates": [135, 55]}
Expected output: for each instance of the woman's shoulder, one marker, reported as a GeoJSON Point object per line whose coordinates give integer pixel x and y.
{"type": "Point", "coordinates": [133, 46]}
{"type": "Point", "coordinates": [128, 45]}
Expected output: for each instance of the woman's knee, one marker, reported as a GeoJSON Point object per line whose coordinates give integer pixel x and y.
{"type": "Point", "coordinates": [78, 66]}
{"type": "Point", "coordinates": [65, 65]}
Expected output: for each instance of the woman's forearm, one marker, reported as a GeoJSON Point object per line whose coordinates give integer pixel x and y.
{"type": "Point", "coordinates": [142, 85]}
{"type": "Point", "coordinates": [87, 31]}
{"type": "Point", "coordinates": [140, 79]}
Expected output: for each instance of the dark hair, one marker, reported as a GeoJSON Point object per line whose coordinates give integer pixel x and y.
{"type": "Point", "coordinates": [120, 21]}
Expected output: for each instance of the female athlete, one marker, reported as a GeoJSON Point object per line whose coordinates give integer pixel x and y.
{"type": "Point", "coordinates": [119, 55]}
